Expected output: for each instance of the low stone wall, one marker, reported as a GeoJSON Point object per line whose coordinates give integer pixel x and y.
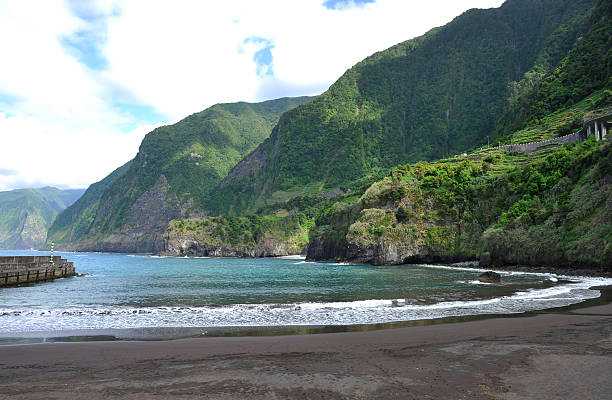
{"type": "Point", "coordinates": [533, 146]}
{"type": "Point", "coordinates": [15, 270]}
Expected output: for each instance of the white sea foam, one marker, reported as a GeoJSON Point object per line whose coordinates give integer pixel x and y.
{"type": "Point", "coordinates": [293, 257]}
{"type": "Point", "coordinates": [475, 282]}
{"type": "Point", "coordinates": [501, 272]}
{"type": "Point", "coordinates": [14, 320]}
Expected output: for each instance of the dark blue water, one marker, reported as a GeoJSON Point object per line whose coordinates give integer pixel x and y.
{"type": "Point", "coordinates": [130, 291]}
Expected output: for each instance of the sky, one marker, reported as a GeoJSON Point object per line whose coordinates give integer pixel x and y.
{"type": "Point", "coordinates": [82, 82]}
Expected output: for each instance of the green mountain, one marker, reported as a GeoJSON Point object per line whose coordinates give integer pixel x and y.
{"type": "Point", "coordinates": [424, 99]}
{"type": "Point", "coordinates": [172, 176]}
{"type": "Point", "coordinates": [26, 214]}
{"type": "Point", "coordinates": [549, 207]}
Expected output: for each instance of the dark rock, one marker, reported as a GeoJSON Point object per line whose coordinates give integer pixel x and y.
{"type": "Point", "coordinates": [485, 259]}
{"type": "Point", "coordinates": [489, 277]}
{"type": "Point", "coordinates": [321, 249]}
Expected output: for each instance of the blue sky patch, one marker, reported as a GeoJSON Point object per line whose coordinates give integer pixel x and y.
{"type": "Point", "coordinates": [7, 99]}
{"type": "Point", "coordinates": [86, 44]}
{"type": "Point", "coordinates": [342, 4]}
{"type": "Point", "coordinates": [263, 56]}
{"type": "Point", "coordinates": [88, 11]}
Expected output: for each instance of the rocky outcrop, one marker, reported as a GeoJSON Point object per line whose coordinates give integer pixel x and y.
{"type": "Point", "coordinates": [489, 277]}
{"type": "Point", "coordinates": [248, 166]}
{"type": "Point", "coordinates": [148, 218]}
{"type": "Point", "coordinates": [188, 246]}
{"type": "Point", "coordinates": [249, 236]}
{"type": "Point", "coordinates": [321, 248]}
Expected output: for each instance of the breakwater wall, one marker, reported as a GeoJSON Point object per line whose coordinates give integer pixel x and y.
{"type": "Point", "coordinates": [15, 270]}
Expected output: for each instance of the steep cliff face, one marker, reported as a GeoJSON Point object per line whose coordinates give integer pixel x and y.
{"type": "Point", "coordinates": [145, 224]}
{"type": "Point", "coordinates": [26, 214]}
{"type": "Point", "coordinates": [423, 99]}
{"type": "Point", "coordinates": [172, 176]}
{"type": "Point", "coordinates": [247, 236]}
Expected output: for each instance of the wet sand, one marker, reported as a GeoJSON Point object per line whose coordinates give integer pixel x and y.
{"type": "Point", "coordinates": [563, 354]}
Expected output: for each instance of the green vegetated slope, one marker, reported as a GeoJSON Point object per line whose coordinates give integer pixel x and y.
{"type": "Point", "coordinates": [424, 99]}
{"type": "Point", "coordinates": [548, 208]}
{"type": "Point", "coordinates": [171, 176]}
{"type": "Point", "coordinates": [26, 214]}
{"type": "Point", "coordinates": [583, 70]}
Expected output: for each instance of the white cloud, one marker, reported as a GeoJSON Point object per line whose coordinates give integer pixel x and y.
{"type": "Point", "coordinates": [47, 153]}
{"type": "Point", "coordinates": [60, 127]}
{"type": "Point", "coordinates": [66, 124]}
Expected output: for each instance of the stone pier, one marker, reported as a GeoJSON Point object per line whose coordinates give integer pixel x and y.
{"type": "Point", "coordinates": [16, 270]}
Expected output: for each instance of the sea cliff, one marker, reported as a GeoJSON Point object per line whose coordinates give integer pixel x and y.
{"type": "Point", "coordinates": [249, 236]}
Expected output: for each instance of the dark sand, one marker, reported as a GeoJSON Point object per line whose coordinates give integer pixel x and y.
{"type": "Point", "coordinates": [555, 355]}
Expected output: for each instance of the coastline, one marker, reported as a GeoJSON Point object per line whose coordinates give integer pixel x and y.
{"type": "Point", "coordinates": [178, 333]}
{"type": "Point", "coordinates": [554, 354]}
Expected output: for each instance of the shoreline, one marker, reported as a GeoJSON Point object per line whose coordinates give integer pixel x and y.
{"type": "Point", "coordinates": [570, 272]}
{"type": "Point", "coordinates": [562, 354]}
{"type": "Point", "coordinates": [471, 264]}
{"type": "Point", "coordinates": [178, 333]}
{"type": "Point", "coordinates": [388, 317]}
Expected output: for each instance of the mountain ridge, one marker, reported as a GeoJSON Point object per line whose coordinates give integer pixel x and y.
{"type": "Point", "coordinates": [26, 214]}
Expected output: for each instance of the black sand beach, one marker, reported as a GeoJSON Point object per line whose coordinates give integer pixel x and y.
{"type": "Point", "coordinates": [562, 354]}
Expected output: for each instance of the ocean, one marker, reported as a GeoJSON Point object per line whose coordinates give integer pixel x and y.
{"type": "Point", "coordinates": [123, 291]}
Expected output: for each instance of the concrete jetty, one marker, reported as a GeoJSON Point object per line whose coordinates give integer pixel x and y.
{"type": "Point", "coordinates": [15, 270]}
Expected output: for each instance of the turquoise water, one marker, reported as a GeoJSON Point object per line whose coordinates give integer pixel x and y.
{"type": "Point", "coordinates": [133, 291]}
